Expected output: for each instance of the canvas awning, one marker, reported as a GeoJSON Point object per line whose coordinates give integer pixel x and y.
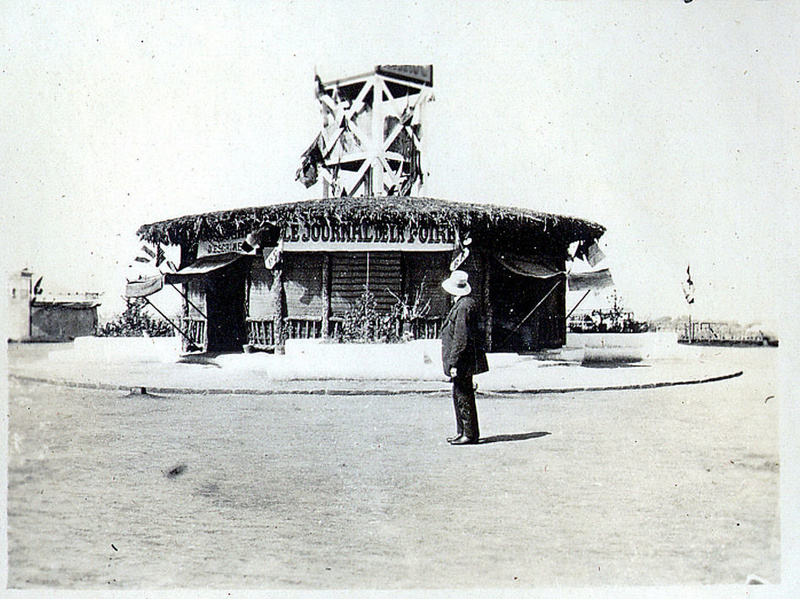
{"type": "Point", "coordinates": [145, 286]}
{"type": "Point", "coordinates": [598, 279]}
{"type": "Point", "coordinates": [527, 267]}
{"type": "Point", "coordinates": [202, 266]}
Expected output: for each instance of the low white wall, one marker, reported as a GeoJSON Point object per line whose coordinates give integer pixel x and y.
{"type": "Point", "coordinates": [118, 349]}
{"type": "Point", "coordinates": [621, 347]}
{"type": "Point", "coordinates": [412, 360]}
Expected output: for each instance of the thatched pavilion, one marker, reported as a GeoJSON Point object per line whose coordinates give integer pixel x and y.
{"type": "Point", "coordinates": [258, 276]}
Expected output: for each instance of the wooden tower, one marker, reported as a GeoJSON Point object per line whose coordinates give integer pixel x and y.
{"type": "Point", "coordinates": [371, 131]}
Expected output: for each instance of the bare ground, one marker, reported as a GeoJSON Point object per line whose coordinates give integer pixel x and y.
{"type": "Point", "coordinates": [667, 486]}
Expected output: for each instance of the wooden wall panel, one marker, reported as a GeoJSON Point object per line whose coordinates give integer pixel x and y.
{"type": "Point", "coordinates": [195, 290]}
{"type": "Point", "coordinates": [302, 284]}
{"type": "Point", "coordinates": [263, 298]}
{"type": "Point", "coordinates": [424, 273]}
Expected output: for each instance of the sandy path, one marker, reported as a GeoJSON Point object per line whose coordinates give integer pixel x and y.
{"type": "Point", "coordinates": [668, 486]}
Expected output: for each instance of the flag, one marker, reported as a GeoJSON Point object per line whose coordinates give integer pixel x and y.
{"type": "Point", "coordinates": [160, 256]}
{"type": "Point", "coordinates": [461, 252]}
{"type": "Point", "coordinates": [319, 88]}
{"type": "Point", "coordinates": [148, 254]}
{"type": "Point", "coordinates": [271, 259]}
{"type": "Point", "coordinates": [459, 258]}
{"type": "Point", "coordinates": [311, 159]}
{"type": "Point", "coordinates": [591, 252]}
{"type": "Point", "coordinates": [155, 257]}
{"type": "Point", "coordinates": [688, 287]}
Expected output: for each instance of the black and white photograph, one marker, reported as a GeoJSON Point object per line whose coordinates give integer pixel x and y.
{"type": "Point", "coordinates": [402, 298]}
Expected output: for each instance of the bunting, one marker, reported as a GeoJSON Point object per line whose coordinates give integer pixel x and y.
{"type": "Point", "coordinates": [148, 255]}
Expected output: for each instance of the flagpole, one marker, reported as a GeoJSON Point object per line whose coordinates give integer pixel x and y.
{"type": "Point", "coordinates": [688, 291]}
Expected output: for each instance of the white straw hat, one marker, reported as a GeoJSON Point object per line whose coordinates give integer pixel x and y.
{"type": "Point", "coordinates": [457, 284]}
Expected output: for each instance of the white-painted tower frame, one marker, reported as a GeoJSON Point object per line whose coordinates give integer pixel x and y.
{"type": "Point", "coordinates": [370, 144]}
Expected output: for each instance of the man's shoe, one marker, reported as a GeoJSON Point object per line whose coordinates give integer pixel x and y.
{"type": "Point", "coordinates": [451, 439]}
{"type": "Point", "coordinates": [463, 441]}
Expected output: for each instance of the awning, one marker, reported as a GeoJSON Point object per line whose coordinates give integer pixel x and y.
{"type": "Point", "coordinates": [527, 267]}
{"type": "Point", "coordinates": [202, 266]}
{"type": "Point", "coordinates": [144, 287]}
{"type": "Point", "coordinates": [598, 279]}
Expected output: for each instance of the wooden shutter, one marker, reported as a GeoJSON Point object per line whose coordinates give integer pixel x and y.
{"type": "Point", "coordinates": [350, 277]}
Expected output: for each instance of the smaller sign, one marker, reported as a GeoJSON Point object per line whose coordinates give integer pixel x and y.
{"type": "Point", "coordinates": [224, 246]}
{"type": "Point", "coordinates": [412, 72]}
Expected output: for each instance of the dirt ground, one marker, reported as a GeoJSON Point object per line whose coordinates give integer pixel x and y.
{"type": "Point", "coordinates": [674, 486]}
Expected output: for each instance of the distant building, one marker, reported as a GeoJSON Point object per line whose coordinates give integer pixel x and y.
{"type": "Point", "coordinates": [20, 292]}
{"type": "Point", "coordinates": [34, 317]}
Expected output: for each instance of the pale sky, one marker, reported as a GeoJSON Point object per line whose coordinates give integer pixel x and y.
{"type": "Point", "coordinates": [672, 124]}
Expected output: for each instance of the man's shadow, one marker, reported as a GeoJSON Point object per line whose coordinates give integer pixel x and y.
{"type": "Point", "coordinates": [512, 437]}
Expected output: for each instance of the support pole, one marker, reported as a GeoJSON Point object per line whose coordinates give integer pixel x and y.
{"type": "Point", "coordinates": [326, 296]}
{"type": "Point", "coordinates": [487, 301]}
{"type": "Point", "coordinates": [375, 182]}
{"type": "Point", "coordinates": [588, 291]}
{"type": "Point", "coordinates": [280, 347]}
{"type": "Point", "coordinates": [186, 297]}
{"type": "Point", "coordinates": [174, 326]}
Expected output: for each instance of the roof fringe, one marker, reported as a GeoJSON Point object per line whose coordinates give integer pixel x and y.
{"type": "Point", "coordinates": [389, 209]}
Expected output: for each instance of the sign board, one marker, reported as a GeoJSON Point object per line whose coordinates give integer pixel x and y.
{"type": "Point", "coordinates": [362, 237]}
{"type": "Point", "coordinates": [225, 246]}
{"type": "Point", "coordinates": [411, 72]}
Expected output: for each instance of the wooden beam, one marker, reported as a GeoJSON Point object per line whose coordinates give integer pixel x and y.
{"type": "Point", "coordinates": [326, 295]}
{"type": "Point", "coordinates": [487, 299]}
{"type": "Point", "coordinates": [377, 136]}
{"type": "Point", "coordinates": [280, 302]}
{"type": "Point", "coordinates": [348, 114]}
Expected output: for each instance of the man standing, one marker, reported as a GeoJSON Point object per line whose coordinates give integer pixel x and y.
{"type": "Point", "coordinates": [463, 355]}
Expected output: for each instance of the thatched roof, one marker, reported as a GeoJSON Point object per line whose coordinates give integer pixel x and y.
{"type": "Point", "coordinates": [495, 220]}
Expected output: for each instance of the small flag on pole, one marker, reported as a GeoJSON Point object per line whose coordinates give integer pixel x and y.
{"type": "Point", "coordinates": [688, 287]}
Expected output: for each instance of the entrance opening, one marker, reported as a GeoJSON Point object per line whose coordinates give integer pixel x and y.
{"type": "Point", "coordinates": [513, 296]}
{"type": "Point", "coordinates": [225, 302]}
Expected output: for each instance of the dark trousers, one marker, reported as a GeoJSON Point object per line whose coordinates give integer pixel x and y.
{"type": "Point", "coordinates": [464, 404]}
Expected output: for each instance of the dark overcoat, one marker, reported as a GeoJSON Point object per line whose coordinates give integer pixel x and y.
{"type": "Point", "coordinates": [463, 339]}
